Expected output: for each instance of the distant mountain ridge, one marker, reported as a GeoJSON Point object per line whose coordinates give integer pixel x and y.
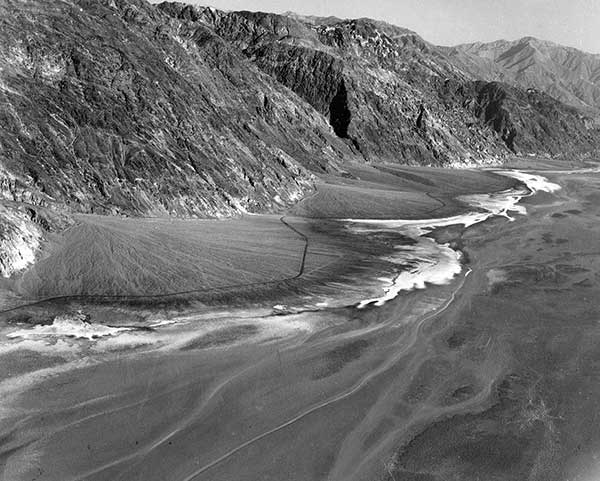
{"type": "Point", "coordinates": [567, 74]}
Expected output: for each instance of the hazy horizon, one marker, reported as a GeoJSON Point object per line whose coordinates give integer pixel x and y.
{"type": "Point", "coordinates": [572, 23]}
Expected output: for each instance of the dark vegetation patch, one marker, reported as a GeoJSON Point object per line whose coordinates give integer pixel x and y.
{"type": "Point", "coordinates": [460, 386]}
{"type": "Point", "coordinates": [223, 336]}
{"type": "Point", "coordinates": [459, 392]}
{"type": "Point", "coordinates": [335, 360]}
{"type": "Point", "coordinates": [462, 393]}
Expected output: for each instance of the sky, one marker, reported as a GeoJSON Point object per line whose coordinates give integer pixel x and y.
{"type": "Point", "coordinates": [575, 23]}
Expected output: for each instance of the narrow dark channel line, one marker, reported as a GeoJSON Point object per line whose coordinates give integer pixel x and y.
{"type": "Point", "coordinates": [304, 251]}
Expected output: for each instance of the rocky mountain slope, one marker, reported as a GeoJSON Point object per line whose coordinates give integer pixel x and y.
{"type": "Point", "coordinates": [565, 73]}
{"type": "Point", "coordinates": [112, 106]}
{"type": "Point", "coordinates": [391, 94]}
{"type": "Point", "coordinates": [124, 107]}
{"type": "Point", "coordinates": [374, 82]}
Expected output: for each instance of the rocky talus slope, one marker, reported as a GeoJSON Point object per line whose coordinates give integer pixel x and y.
{"type": "Point", "coordinates": [124, 107]}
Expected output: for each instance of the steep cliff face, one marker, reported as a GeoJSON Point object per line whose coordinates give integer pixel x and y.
{"type": "Point", "coordinates": [385, 90]}
{"type": "Point", "coordinates": [113, 106]}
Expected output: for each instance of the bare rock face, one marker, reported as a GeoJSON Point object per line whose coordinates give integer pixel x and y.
{"type": "Point", "coordinates": [115, 107]}
{"type": "Point", "coordinates": [368, 78]}
{"type": "Point", "coordinates": [124, 107]}
{"type": "Point", "coordinates": [391, 95]}
{"type": "Point", "coordinates": [528, 122]}
{"type": "Point", "coordinates": [19, 241]}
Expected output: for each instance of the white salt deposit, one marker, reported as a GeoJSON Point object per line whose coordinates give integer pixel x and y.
{"type": "Point", "coordinates": [535, 183]}
{"type": "Point", "coordinates": [429, 262]}
{"type": "Point", "coordinates": [74, 326]}
{"type": "Point", "coordinates": [432, 263]}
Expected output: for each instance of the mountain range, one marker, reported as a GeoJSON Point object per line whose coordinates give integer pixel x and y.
{"type": "Point", "coordinates": [124, 107]}
{"type": "Point", "coordinates": [565, 73]}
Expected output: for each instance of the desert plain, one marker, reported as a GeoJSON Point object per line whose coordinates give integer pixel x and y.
{"type": "Point", "coordinates": [160, 349]}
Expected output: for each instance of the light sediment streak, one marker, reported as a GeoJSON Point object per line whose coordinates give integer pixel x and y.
{"type": "Point", "coordinates": [428, 262]}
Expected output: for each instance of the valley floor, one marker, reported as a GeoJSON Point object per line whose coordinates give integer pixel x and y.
{"type": "Point", "coordinates": [491, 376]}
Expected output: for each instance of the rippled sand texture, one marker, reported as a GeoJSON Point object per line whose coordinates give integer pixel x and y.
{"type": "Point", "coordinates": [492, 375]}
